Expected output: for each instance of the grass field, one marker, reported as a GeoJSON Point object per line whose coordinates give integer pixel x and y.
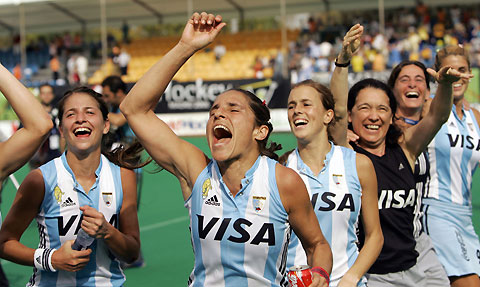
{"type": "Point", "coordinates": [163, 226]}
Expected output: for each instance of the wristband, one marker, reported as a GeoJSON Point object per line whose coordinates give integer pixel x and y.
{"type": "Point", "coordinates": [344, 65]}
{"type": "Point", "coordinates": [42, 259]}
{"type": "Point", "coordinates": [319, 270]}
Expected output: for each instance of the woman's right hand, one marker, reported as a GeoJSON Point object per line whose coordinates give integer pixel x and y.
{"type": "Point", "coordinates": [201, 30]}
{"type": "Point", "coordinates": [70, 260]}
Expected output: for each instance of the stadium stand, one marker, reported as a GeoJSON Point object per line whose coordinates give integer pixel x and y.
{"type": "Point", "coordinates": [242, 50]}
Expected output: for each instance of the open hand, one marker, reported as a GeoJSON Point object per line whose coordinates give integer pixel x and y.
{"type": "Point", "coordinates": [351, 43]}
{"type": "Point", "coordinates": [448, 75]}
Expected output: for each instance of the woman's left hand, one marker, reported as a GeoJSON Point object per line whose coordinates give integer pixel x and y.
{"type": "Point", "coordinates": [94, 222]}
{"type": "Point", "coordinates": [351, 43]}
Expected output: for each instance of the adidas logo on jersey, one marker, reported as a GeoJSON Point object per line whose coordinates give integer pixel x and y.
{"type": "Point", "coordinates": [213, 201]}
{"type": "Point", "coordinates": [400, 167]}
{"type": "Point", "coordinates": [68, 202]}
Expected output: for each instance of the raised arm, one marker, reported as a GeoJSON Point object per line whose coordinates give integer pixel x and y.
{"type": "Point", "coordinates": [172, 153]}
{"type": "Point", "coordinates": [304, 222]}
{"type": "Point", "coordinates": [24, 208]}
{"type": "Point", "coordinates": [371, 222]}
{"type": "Point", "coordinates": [124, 242]}
{"type": "Point", "coordinates": [20, 147]}
{"type": "Point", "coordinates": [417, 138]}
{"type": "Point", "coordinates": [339, 83]}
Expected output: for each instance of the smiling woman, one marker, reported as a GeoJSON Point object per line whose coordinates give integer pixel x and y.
{"type": "Point", "coordinates": [410, 83]}
{"type": "Point", "coordinates": [340, 182]}
{"type": "Point", "coordinates": [242, 203]}
{"type": "Point", "coordinates": [454, 157]}
{"type": "Point", "coordinates": [81, 189]}
{"type": "Point", "coordinates": [371, 109]}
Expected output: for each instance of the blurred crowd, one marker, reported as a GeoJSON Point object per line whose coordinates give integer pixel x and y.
{"type": "Point", "coordinates": [410, 34]}
{"type": "Point", "coordinates": [414, 33]}
{"type": "Point", "coordinates": [68, 56]}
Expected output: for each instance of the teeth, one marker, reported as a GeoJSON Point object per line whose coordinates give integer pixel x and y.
{"type": "Point", "coordinates": [221, 127]}
{"type": "Point", "coordinates": [300, 121]}
{"type": "Point", "coordinates": [373, 127]}
{"type": "Point", "coordinates": [81, 130]}
{"type": "Point", "coordinates": [457, 85]}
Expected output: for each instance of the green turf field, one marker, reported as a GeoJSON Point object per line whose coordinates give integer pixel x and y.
{"type": "Point", "coordinates": [163, 227]}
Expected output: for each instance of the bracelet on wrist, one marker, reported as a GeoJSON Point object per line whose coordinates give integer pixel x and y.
{"type": "Point", "coordinates": [319, 270]}
{"type": "Point", "coordinates": [344, 65]}
{"type": "Point", "coordinates": [42, 259]}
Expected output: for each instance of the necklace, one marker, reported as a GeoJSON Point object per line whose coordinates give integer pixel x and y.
{"type": "Point", "coordinates": [409, 121]}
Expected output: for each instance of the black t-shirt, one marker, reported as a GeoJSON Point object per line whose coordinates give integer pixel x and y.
{"type": "Point", "coordinates": [397, 198]}
{"type": "Point", "coordinates": [421, 173]}
{"type": "Point", "coordinates": [422, 177]}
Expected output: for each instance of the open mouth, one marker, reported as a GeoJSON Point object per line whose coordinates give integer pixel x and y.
{"type": "Point", "coordinates": [300, 122]}
{"type": "Point", "coordinates": [82, 132]}
{"type": "Point", "coordinates": [412, 95]}
{"type": "Point", "coordinates": [221, 132]}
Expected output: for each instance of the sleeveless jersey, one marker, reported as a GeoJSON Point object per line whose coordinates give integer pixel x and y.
{"type": "Point", "coordinates": [238, 240]}
{"type": "Point", "coordinates": [454, 154]}
{"type": "Point", "coordinates": [336, 198]}
{"type": "Point", "coordinates": [397, 198]}
{"type": "Point", "coordinates": [59, 220]}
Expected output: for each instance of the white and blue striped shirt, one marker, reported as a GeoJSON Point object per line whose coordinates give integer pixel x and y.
{"type": "Point", "coordinates": [336, 198]}
{"type": "Point", "coordinates": [59, 220]}
{"type": "Point", "coordinates": [454, 154]}
{"type": "Point", "coordinates": [238, 240]}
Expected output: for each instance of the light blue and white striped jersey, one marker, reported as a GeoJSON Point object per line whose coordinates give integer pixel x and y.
{"type": "Point", "coordinates": [336, 198]}
{"type": "Point", "coordinates": [454, 154]}
{"type": "Point", "coordinates": [59, 220]}
{"type": "Point", "coordinates": [238, 240]}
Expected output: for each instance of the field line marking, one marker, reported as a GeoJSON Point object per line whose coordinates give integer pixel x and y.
{"type": "Point", "coordinates": [163, 223]}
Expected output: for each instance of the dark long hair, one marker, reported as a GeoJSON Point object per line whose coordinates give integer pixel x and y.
{"type": "Point", "coordinates": [123, 156]}
{"type": "Point", "coordinates": [262, 117]}
{"type": "Point", "coordinates": [393, 132]}
{"type": "Point", "coordinates": [398, 68]}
